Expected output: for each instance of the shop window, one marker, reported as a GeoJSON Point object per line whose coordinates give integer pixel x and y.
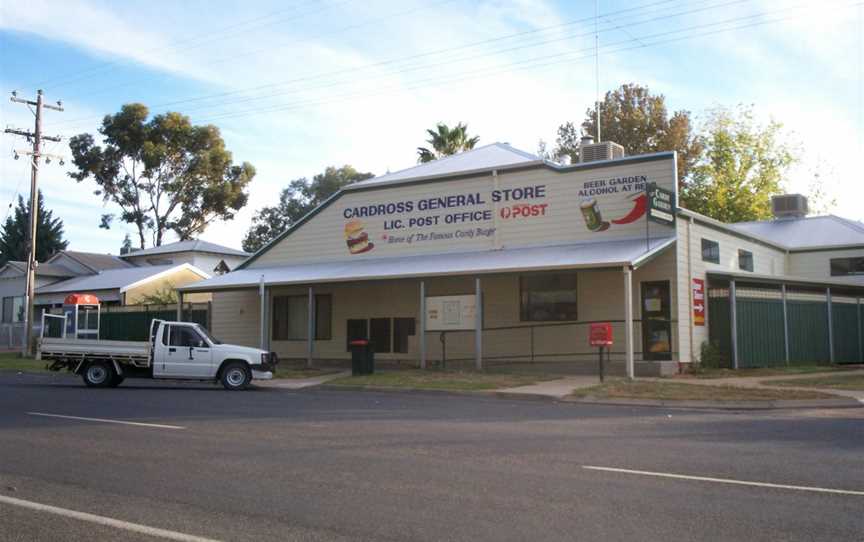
{"type": "Point", "coordinates": [710, 251]}
{"type": "Point", "coordinates": [745, 260]}
{"type": "Point", "coordinates": [402, 329]}
{"type": "Point", "coordinates": [845, 266]}
{"type": "Point", "coordinates": [379, 334]}
{"type": "Point", "coordinates": [548, 297]}
{"type": "Point", "coordinates": [357, 330]}
{"type": "Point", "coordinates": [290, 317]}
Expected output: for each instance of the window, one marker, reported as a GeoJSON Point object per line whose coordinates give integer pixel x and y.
{"type": "Point", "coordinates": [402, 329]}
{"type": "Point", "coordinates": [379, 334]}
{"type": "Point", "coordinates": [184, 336]}
{"type": "Point", "coordinates": [548, 297]}
{"type": "Point", "coordinates": [290, 320]}
{"type": "Point", "coordinates": [710, 251]}
{"type": "Point", "coordinates": [745, 260]}
{"type": "Point", "coordinates": [845, 266]}
{"type": "Point", "coordinates": [13, 309]}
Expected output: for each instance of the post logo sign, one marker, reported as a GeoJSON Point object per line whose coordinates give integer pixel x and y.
{"type": "Point", "coordinates": [698, 287]}
{"type": "Point", "coordinates": [449, 217]}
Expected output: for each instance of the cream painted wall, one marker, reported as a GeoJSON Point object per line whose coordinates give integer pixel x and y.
{"type": "Point", "coordinates": [561, 221]}
{"type": "Point", "coordinates": [600, 297]}
{"type": "Point", "coordinates": [817, 264]}
{"type": "Point", "coordinates": [181, 277]}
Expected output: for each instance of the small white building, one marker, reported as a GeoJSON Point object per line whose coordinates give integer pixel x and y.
{"type": "Point", "coordinates": [210, 257]}
{"type": "Point", "coordinates": [496, 256]}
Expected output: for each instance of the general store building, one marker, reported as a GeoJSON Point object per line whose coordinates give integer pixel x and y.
{"type": "Point", "coordinates": [496, 256]}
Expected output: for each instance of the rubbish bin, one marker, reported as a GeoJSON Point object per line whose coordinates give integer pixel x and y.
{"type": "Point", "coordinates": [362, 357]}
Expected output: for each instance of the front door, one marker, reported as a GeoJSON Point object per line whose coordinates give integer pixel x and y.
{"type": "Point", "coordinates": [656, 321]}
{"type": "Point", "coordinates": [188, 354]}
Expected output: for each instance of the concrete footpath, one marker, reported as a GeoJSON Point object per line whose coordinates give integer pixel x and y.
{"type": "Point", "coordinates": [300, 383]}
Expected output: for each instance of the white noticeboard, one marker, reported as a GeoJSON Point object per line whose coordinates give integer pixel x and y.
{"type": "Point", "coordinates": [451, 312]}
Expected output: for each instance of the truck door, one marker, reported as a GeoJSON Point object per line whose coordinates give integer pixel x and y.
{"type": "Point", "coordinates": [187, 354]}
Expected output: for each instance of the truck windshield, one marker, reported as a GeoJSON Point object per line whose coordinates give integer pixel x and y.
{"type": "Point", "coordinates": [207, 334]}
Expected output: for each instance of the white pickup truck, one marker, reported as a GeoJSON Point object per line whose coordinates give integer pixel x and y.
{"type": "Point", "coordinates": [176, 350]}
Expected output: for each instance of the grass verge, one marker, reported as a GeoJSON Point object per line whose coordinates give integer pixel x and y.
{"type": "Point", "coordinates": [12, 361]}
{"type": "Point", "coordinates": [677, 391]}
{"type": "Point", "coordinates": [764, 371]}
{"type": "Point", "coordinates": [440, 380]}
{"type": "Point", "coordinates": [838, 382]}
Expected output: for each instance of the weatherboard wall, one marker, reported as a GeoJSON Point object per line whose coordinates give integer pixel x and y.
{"type": "Point", "coordinates": [766, 261]}
{"type": "Point", "coordinates": [817, 264]}
{"type": "Point", "coordinates": [552, 214]}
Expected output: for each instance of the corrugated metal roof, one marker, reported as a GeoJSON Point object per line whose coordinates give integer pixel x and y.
{"type": "Point", "coordinates": [575, 256]}
{"type": "Point", "coordinates": [192, 245]}
{"type": "Point", "coordinates": [93, 260]}
{"type": "Point", "coordinates": [808, 232]}
{"type": "Point", "coordinates": [106, 280]}
{"type": "Point", "coordinates": [479, 159]}
{"type": "Point", "coordinates": [43, 269]}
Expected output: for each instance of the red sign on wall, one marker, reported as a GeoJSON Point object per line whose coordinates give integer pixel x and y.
{"type": "Point", "coordinates": [601, 334]}
{"type": "Point", "coordinates": [698, 302]}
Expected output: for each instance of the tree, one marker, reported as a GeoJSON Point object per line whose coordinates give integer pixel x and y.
{"type": "Point", "coordinates": [639, 121]}
{"type": "Point", "coordinates": [295, 202]}
{"type": "Point", "coordinates": [166, 295]}
{"type": "Point", "coordinates": [164, 173]}
{"type": "Point", "coordinates": [446, 141]}
{"type": "Point", "coordinates": [743, 165]}
{"type": "Point", "coordinates": [13, 235]}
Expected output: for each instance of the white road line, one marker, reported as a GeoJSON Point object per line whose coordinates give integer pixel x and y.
{"type": "Point", "coordinates": [727, 481]}
{"type": "Point", "coordinates": [103, 420]}
{"type": "Point", "coordinates": [102, 520]}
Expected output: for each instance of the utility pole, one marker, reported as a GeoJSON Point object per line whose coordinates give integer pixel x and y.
{"type": "Point", "coordinates": [35, 137]}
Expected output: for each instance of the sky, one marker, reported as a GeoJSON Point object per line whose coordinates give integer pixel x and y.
{"type": "Point", "coordinates": [296, 86]}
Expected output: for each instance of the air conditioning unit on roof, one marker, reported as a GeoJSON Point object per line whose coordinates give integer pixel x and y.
{"type": "Point", "coordinates": [789, 206]}
{"type": "Point", "coordinates": [605, 150]}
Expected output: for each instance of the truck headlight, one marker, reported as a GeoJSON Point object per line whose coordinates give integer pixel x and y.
{"type": "Point", "coordinates": [265, 358]}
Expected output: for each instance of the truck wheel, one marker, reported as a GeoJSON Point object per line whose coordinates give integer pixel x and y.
{"type": "Point", "coordinates": [98, 374]}
{"type": "Point", "coordinates": [236, 376]}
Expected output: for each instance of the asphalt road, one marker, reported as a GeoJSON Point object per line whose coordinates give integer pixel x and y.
{"type": "Point", "coordinates": [325, 465]}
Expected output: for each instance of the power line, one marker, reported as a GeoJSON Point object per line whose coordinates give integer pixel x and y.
{"type": "Point", "coordinates": [428, 54]}
{"type": "Point", "coordinates": [530, 64]}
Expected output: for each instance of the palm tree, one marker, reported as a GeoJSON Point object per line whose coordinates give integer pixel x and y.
{"type": "Point", "coordinates": [446, 141]}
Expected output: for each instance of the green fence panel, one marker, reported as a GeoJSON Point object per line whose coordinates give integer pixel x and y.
{"type": "Point", "coordinates": [844, 317]}
{"type": "Point", "coordinates": [808, 332]}
{"type": "Point", "coordinates": [135, 326]}
{"type": "Point", "coordinates": [760, 333]}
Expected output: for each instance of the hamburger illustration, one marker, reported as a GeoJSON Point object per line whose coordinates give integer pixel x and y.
{"type": "Point", "coordinates": [356, 237]}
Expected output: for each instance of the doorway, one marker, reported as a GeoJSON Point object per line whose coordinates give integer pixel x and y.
{"type": "Point", "coordinates": [656, 321]}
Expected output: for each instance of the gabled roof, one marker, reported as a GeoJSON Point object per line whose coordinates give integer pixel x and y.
{"type": "Point", "coordinates": [92, 260]}
{"type": "Point", "coordinates": [480, 159]}
{"type": "Point", "coordinates": [808, 232]}
{"type": "Point", "coordinates": [192, 245]}
{"type": "Point", "coordinates": [117, 278]}
{"type": "Point", "coordinates": [42, 269]}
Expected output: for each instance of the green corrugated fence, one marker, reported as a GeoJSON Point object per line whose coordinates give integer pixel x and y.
{"type": "Point", "coordinates": [760, 328]}
{"type": "Point", "coordinates": [135, 326]}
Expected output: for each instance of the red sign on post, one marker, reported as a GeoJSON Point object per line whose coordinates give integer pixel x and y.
{"type": "Point", "coordinates": [698, 287]}
{"type": "Point", "coordinates": [601, 334]}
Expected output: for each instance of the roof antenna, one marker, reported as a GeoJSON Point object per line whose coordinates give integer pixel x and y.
{"type": "Point", "coordinates": [597, 63]}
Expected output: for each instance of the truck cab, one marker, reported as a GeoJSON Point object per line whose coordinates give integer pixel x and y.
{"type": "Point", "coordinates": [184, 350]}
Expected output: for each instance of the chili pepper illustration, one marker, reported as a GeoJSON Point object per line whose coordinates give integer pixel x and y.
{"type": "Point", "coordinates": [640, 204]}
